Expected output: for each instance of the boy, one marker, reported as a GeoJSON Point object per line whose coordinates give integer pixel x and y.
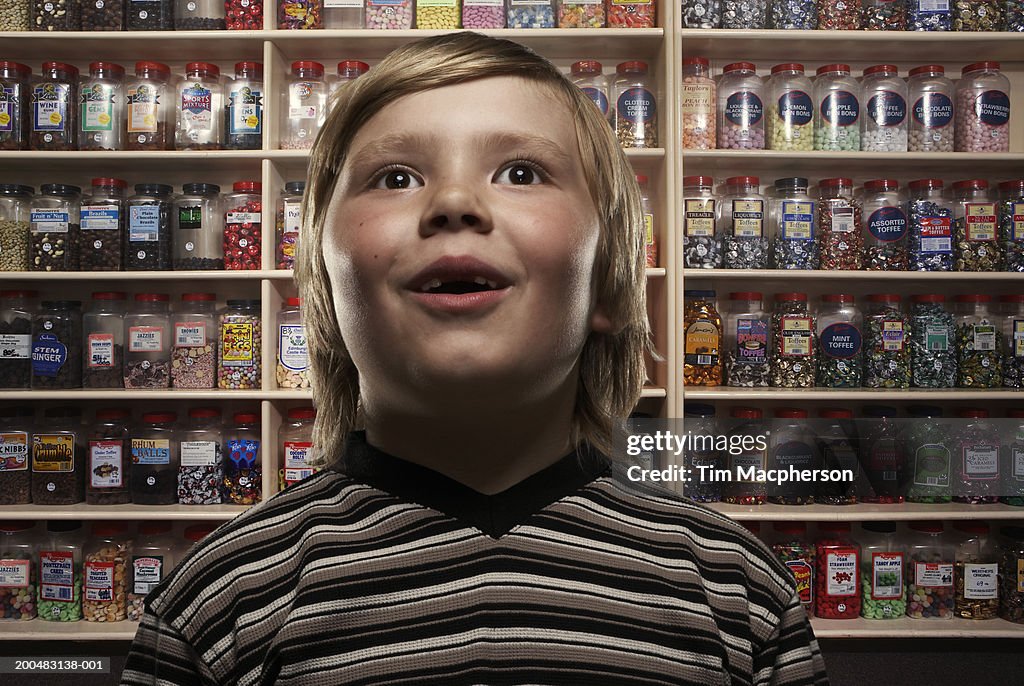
{"type": "Point", "coordinates": [473, 276]}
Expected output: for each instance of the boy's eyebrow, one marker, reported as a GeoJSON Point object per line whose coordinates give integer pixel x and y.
{"type": "Point", "coordinates": [398, 143]}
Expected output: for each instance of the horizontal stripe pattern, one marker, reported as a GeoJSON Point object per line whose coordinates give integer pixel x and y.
{"type": "Point", "coordinates": [334, 581]}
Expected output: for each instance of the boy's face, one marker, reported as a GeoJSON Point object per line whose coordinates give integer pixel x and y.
{"type": "Point", "coordinates": [460, 243]}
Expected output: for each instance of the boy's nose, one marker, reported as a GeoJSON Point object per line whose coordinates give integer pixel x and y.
{"type": "Point", "coordinates": [455, 206]}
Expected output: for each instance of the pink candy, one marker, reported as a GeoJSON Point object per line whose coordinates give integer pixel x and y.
{"type": "Point", "coordinates": [483, 16]}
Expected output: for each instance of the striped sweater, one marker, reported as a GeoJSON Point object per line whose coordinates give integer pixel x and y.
{"type": "Point", "coordinates": [391, 573]}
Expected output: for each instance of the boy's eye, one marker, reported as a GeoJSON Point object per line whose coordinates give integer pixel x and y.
{"type": "Point", "coordinates": [396, 179]}
{"type": "Point", "coordinates": [520, 174]}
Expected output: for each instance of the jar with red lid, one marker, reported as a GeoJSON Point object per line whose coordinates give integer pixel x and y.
{"type": "Point", "coordinates": [101, 126]}
{"type": "Point", "coordinates": [150, 562]}
{"type": "Point", "coordinates": [979, 343]}
{"type": "Point", "coordinates": [975, 228]}
{"type": "Point", "coordinates": [194, 346]}
{"type": "Point", "coordinates": [244, 108]}
{"type": "Point", "coordinates": [837, 109]}
{"type": "Point", "coordinates": [109, 458]}
{"type": "Point", "coordinates": [60, 572]}
{"type": "Point", "coordinates": [635, 114]}
{"type": "Point", "coordinates": [105, 585]}
{"type": "Point", "coordinates": [884, 100]}
{"type": "Point", "coordinates": [741, 224]}
{"type": "Point", "coordinates": [793, 355]}
{"type": "Point", "coordinates": [839, 220]}
{"type": "Point", "coordinates": [200, 474]}
{"type": "Point", "coordinates": [15, 105]}
{"type": "Point", "coordinates": [930, 95]}
{"type": "Point", "coordinates": [149, 120]}
{"type": "Point", "coordinates": [244, 15]}
{"type": "Point", "coordinates": [295, 443]}
{"type": "Point", "coordinates": [306, 105]}
{"type": "Point", "coordinates": [789, 540]}
{"type": "Point", "coordinates": [56, 15]}
{"type": "Point", "coordinates": [1012, 309]}
{"type": "Point", "coordinates": [976, 571]}
{"type": "Point", "coordinates": [838, 443]}
{"type": "Point", "coordinates": [746, 344]}
{"type": "Point", "coordinates": [190, 537]}
{"type": "Point", "coordinates": [883, 572]}
{"type": "Point", "coordinates": [975, 458]}
{"type": "Point", "coordinates": [789, 121]}
{"type": "Point", "coordinates": [837, 589]}
{"type": "Point", "coordinates": [886, 343]}
{"type": "Point", "coordinates": [147, 247]}
{"type": "Point", "coordinates": [200, 108]}
{"type": "Point", "coordinates": [240, 353]}
{"type": "Point", "coordinates": [885, 457]}
{"type": "Point", "coordinates": [740, 118]}
{"type": "Point", "coordinates": [702, 326]}
{"type": "Point", "coordinates": [54, 125]}
{"type": "Point", "coordinates": [588, 76]}
{"type": "Point", "coordinates": [930, 556]}
{"type": "Point", "coordinates": [791, 450]}
{"type": "Point", "coordinates": [243, 464]}
{"type": "Point", "coordinates": [102, 219]}
{"type": "Point", "coordinates": [1011, 223]}
{"type": "Point", "coordinates": [840, 342]}
{"type": "Point", "coordinates": [930, 219]}
{"type": "Point", "coordinates": [884, 227]}
{"type": "Point", "coordinates": [147, 333]}
{"type": "Point", "coordinates": [982, 109]}
{"type": "Point", "coordinates": [697, 96]}
{"type": "Point", "coordinates": [1012, 459]}
{"type": "Point", "coordinates": [301, 14]}
{"type": "Point", "coordinates": [348, 71]}
{"type": "Point", "coordinates": [103, 344]}
{"type": "Point", "coordinates": [18, 582]}
{"type": "Point", "coordinates": [702, 244]}
{"type": "Point", "coordinates": [748, 464]}
{"type": "Point", "coordinates": [155, 459]}
{"type": "Point", "coordinates": [933, 350]}
{"type": "Point", "coordinates": [632, 14]}
{"type": "Point", "coordinates": [243, 226]}
{"type": "Point", "coordinates": [55, 228]}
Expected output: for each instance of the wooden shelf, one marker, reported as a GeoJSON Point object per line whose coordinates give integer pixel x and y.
{"type": "Point", "coordinates": [126, 512]}
{"type": "Point", "coordinates": [855, 394]}
{"type": "Point", "coordinates": [866, 512]}
{"type": "Point", "coordinates": [39, 630]}
{"type": "Point", "coordinates": [905, 627]}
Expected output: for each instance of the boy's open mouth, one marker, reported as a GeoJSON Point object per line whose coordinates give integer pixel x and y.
{"type": "Point", "coordinates": [458, 275]}
{"type": "Point", "coordinates": [476, 285]}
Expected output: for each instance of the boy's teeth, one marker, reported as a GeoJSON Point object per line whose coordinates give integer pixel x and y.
{"type": "Point", "coordinates": [481, 281]}
{"type": "Point", "coordinates": [431, 285]}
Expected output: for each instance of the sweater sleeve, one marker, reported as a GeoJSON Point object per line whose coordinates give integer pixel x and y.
{"type": "Point", "coordinates": [791, 656]}
{"type": "Point", "coordinates": [160, 656]}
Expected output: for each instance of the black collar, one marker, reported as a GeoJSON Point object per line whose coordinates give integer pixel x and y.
{"type": "Point", "coordinates": [494, 515]}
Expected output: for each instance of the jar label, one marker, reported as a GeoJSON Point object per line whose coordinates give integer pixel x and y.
{"type": "Point", "coordinates": [189, 334]}
{"type": "Point", "coordinates": [144, 223]}
{"type": "Point", "coordinates": [893, 335]}
{"type": "Point", "coordinates": [197, 108]}
{"type": "Point", "coordinates": [885, 462]}
{"type": "Point", "coordinates": [843, 220]}
{"type": "Point", "coordinates": [993, 108]}
{"type": "Point", "coordinates": [840, 108]}
{"type": "Point", "coordinates": [292, 217]}
{"type": "Point", "coordinates": [697, 101]}
{"type": "Point", "coordinates": [147, 572]}
{"type": "Point", "coordinates": [933, 574]}
{"type": "Point", "coordinates": [99, 582]}
{"type": "Point", "coordinates": [931, 466]}
{"type": "Point", "coordinates": [649, 239]}
{"type": "Point", "coordinates": [291, 345]}
{"type": "Point", "coordinates": [747, 218]}
{"type": "Point", "coordinates": [933, 6]}
{"type": "Point", "coordinates": [53, 453]}
{"type": "Point", "coordinates": [804, 576]}
{"type": "Point", "coordinates": [796, 108]}
{"type": "Point", "coordinates": [100, 353]}
{"type": "Point", "coordinates": [887, 108]}
{"type": "Point", "coordinates": [145, 339]}
{"type": "Point", "coordinates": [981, 221]}
{"type": "Point", "coordinates": [1018, 338]}
{"type": "Point", "coordinates": [237, 344]}
{"type": "Point", "coordinates": [190, 217]}
{"type": "Point", "coordinates": [936, 235]}
{"type": "Point", "coordinates": [841, 340]}
{"type": "Point", "coordinates": [15, 346]}
{"type": "Point", "coordinates": [437, 3]}
{"type": "Point", "coordinates": [48, 355]}
{"type": "Point", "coordinates": [300, 100]}
{"type": "Point", "coordinates": [243, 218]}
{"type": "Point", "coordinates": [1017, 217]}
{"type": "Point", "coordinates": [936, 337]}
{"type": "Point", "coordinates": [632, 2]}
{"type": "Point", "coordinates": [744, 109]}
{"type": "Point", "coordinates": [933, 110]}
{"type": "Point", "coordinates": [13, 451]}
{"type": "Point", "coordinates": [797, 220]}
{"type": "Point", "coordinates": [245, 111]}
{"type": "Point", "coordinates": [346, 4]}
{"type": "Point", "coordinates": [15, 573]}
{"type": "Point", "coordinates": [1018, 464]}
{"type": "Point", "coordinates": [9, 106]}
{"type": "Point", "coordinates": [57, 576]}
{"type": "Point", "coordinates": [981, 462]}
{"type": "Point", "coordinates": [295, 467]}
{"type": "Point", "coordinates": [596, 95]}
{"type": "Point", "coordinates": [981, 581]}
{"type": "Point", "coordinates": [841, 566]}
{"type": "Point", "coordinates": [97, 111]}
{"type": "Point", "coordinates": [796, 336]}
{"type": "Point", "coordinates": [100, 218]}
{"type": "Point", "coordinates": [50, 107]}
{"type": "Point", "coordinates": [748, 467]}
{"type": "Point", "coordinates": [752, 341]}
{"type": "Point", "coordinates": [49, 221]}
{"type": "Point", "coordinates": [636, 105]}
{"type": "Point", "coordinates": [105, 464]}
{"type": "Point", "coordinates": [243, 452]}
{"type": "Point", "coordinates": [199, 454]}
{"type": "Point", "coordinates": [143, 109]}
{"type": "Point", "coordinates": [700, 217]}
{"type": "Point", "coordinates": [888, 224]}
{"type": "Point", "coordinates": [886, 576]}
{"type": "Point", "coordinates": [984, 337]}
{"type": "Point", "coordinates": [702, 344]}
{"type": "Point", "coordinates": [151, 451]}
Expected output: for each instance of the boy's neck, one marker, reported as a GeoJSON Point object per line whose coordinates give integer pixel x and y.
{"type": "Point", "coordinates": [487, 451]}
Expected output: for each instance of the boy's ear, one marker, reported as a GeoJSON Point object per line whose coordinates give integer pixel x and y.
{"type": "Point", "coordinates": [600, 322]}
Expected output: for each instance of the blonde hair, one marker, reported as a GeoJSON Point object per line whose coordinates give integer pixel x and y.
{"type": "Point", "coordinates": [611, 367]}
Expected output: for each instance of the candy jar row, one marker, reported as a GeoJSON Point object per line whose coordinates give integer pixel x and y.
{"type": "Point", "coordinates": [850, 15]}
{"type": "Point", "coordinates": [881, 112]}
{"type": "Point", "coordinates": [151, 110]}
{"type": "Point", "coordinates": [105, 230]}
{"type": "Point", "coordinates": [133, 15]}
{"type": "Point", "coordinates": [838, 347]}
{"type": "Point", "coordinates": [59, 460]}
{"type": "Point", "coordinates": [838, 460]}
{"type": "Point", "coordinates": [877, 229]}
{"type": "Point", "coordinates": [60, 574]}
{"type": "Point", "coordinates": [628, 100]}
